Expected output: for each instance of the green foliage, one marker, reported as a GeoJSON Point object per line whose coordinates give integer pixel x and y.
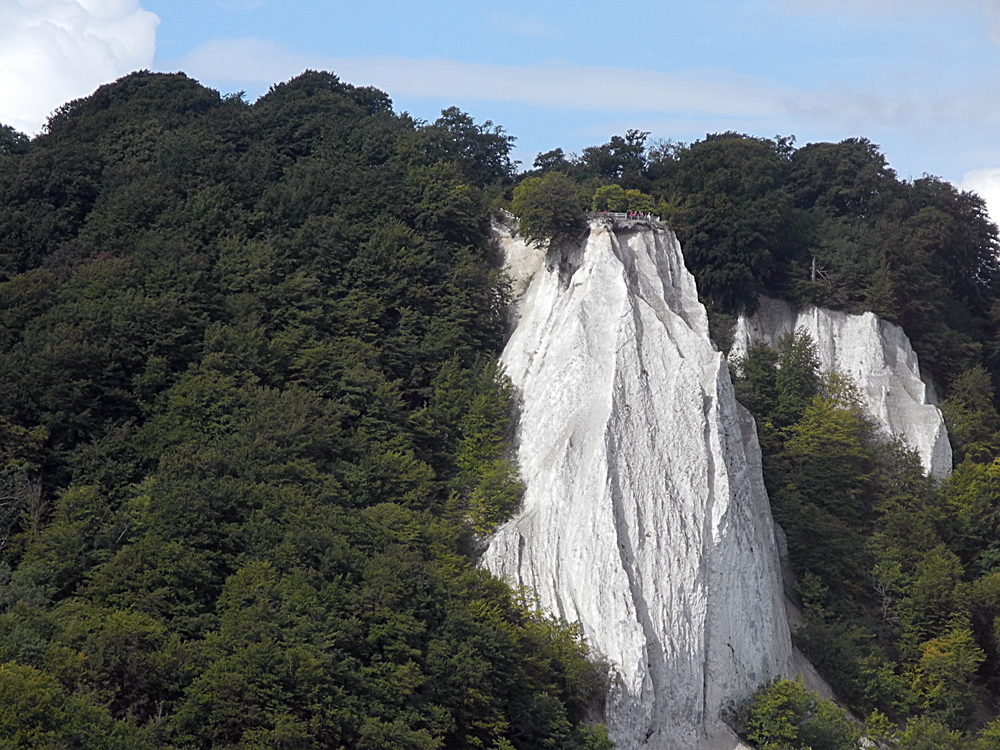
{"type": "Point", "coordinates": [971, 417]}
{"type": "Point", "coordinates": [945, 677]}
{"type": "Point", "coordinates": [735, 208]}
{"type": "Point", "coordinates": [786, 715]}
{"type": "Point", "coordinates": [797, 378]}
{"type": "Point", "coordinates": [36, 712]}
{"type": "Point", "coordinates": [481, 152]}
{"type": "Point", "coordinates": [849, 178]}
{"type": "Point", "coordinates": [989, 739]}
{"type": "Point", "coordinates": [926, 734]}
{"type": "Point", "coordinates": [486, 473]}
{"type": "Point", "coordinates": [554, 160]}
{"type": "Point", "coordinates": [777, 385]}
{"type": "Point", "coordinates": [756, 381]}
{"type": "Point", "coordinates": [622, 159]}
{"type": "Point", "coordinates": [549, 207]}
{"type": "Point", "coordinates": [13, 142]}
{"type": "Point", "coordinates": [639, 201]}
{"type": "Point", "coordinates": [610, 198]}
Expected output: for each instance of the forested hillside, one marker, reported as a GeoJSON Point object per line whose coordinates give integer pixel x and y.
{"type": "Point", "coordinates": [249, 417]}
{"type": "Point", "coordinates": [252, 427]}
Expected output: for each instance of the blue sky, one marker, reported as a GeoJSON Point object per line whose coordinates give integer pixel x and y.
{"type": "Point", "coordinates": [919, 77]}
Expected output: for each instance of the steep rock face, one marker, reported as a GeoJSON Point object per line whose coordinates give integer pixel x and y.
{"type": "Point", "coordinates": [878, 356]}
{"type": "Point", "coordinates": [645, 517]}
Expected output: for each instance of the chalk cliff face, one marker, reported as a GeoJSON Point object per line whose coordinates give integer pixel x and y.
{"type": "Point", "coordinates": [878, 356]}
{"type": "Point", "coordinates": [645, 516]}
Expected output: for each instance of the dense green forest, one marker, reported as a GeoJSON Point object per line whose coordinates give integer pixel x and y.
{"type": "Point", "coordinates": [250, 420]}
{"type": "Point", "coordinates": [252, 428]}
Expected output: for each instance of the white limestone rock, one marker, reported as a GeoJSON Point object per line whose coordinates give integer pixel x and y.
{"type": "Point", "coordinates": [878, 356]}
{"type": "Point", "coordinates": [522, 259]}
{"type": "Point", "coordinates": [645, 516]}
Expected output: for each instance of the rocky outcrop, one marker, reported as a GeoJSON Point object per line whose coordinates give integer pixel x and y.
{"type": "Point", "coordinates": [878, 356]}
{"type": "Point", "coordinates": [645, 516]}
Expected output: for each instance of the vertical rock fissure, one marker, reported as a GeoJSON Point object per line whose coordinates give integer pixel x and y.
{"type": "Point", "coordinates": [619, 423]}
{"type": "Point", "coordinates": [705, 562]}
{"type": "Point", "coordinates": [655, 656]}
{"type": "Point", "coordinates": [520, 558]}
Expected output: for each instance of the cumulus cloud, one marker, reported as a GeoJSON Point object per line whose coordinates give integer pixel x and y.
{"type": "Point", "coordinates": [985, 182]}
{"type": "Point", "coordinates": [523, 25]}
{"type": "Point", "coordinates": [249, 62]}
{"type": "Point", "coordinates": [52, 51]}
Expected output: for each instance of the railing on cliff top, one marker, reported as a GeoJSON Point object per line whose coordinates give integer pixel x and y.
{"type": "Point", "coordinates": [623, 216]}
{"type": "Point", "coordinates": [628, 216]}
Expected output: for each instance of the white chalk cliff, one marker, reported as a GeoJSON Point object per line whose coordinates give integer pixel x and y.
{"type": "Point", "coordinates": [645, 516]}
{"type": "Point", "coordinates": [878, 356]}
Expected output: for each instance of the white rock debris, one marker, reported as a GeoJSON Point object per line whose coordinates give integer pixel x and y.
{"type": "Point", "coordinates": [878, 356]}
{"type": "Point", "coordinates": [645, 516]}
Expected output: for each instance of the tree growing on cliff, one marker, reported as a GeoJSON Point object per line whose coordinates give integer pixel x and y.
{"type": "Point", "coordinates": [610, 198]}
{"type": "Point", "coordinates": [550, 208]}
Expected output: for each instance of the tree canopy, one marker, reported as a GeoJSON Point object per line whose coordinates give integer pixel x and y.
{"type": "Point", "coordinates": [549, 207]}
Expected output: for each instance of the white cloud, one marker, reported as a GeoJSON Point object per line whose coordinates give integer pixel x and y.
{"type": "Point", "coordinates": [901, 7]}
{"type": "Point", "coordinates": [244, 61]}
{"type": "Point", "coordinates": [248, 62]}
{"type": "Point", "coordinates": [863, 10]}
{"type": "Point", "coordinates": [255, 63]}
{"type": "Point", "coordinates": [523, 25]}
{"type": "Point", "coordinates": [53, 51]}
{"type": "Point", "coordinates": [986, 182]}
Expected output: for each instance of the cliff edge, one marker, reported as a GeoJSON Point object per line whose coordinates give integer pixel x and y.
{"type": "Point", "coordinates": [645, 516]}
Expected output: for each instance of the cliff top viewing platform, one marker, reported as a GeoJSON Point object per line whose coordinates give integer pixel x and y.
{"type": "Point", "coordinates": [620, 219]}
{"type": "Point", "coordinates": [625, 219]}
